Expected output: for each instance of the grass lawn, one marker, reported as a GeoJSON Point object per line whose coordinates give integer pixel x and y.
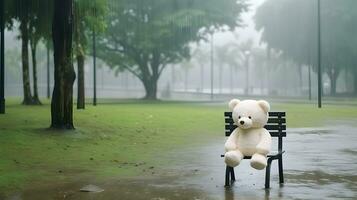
{"type": "Point", "coordinates": [119, 140]}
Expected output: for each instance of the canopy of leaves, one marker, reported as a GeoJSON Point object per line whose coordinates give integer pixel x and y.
{"type": "Point", "coordinates": [37, 13]}
{"type": "Point", "coordinates": [155, 33]}
{"type": "Point", "coordinates": [89, 17]}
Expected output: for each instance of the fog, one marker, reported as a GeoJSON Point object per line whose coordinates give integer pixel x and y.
{"type": "Point", "coordinates": [263, 57]}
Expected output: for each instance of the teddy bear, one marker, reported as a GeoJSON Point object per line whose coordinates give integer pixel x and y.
{"type": "Point", "coordinates": [250, 138]}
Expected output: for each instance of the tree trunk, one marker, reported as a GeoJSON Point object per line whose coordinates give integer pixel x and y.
{"type": "Point", "coordinates": [300, 78]}
{"type": "Point", "coordinates": [35, 98]}
{"type": "Point", "coordinates": [346, 80]}
{"type": "Point", "coordinates": [80, 81]}
{"type": "Point", "coordinates": [25, 62]}
{"type": "Point", "coordinates": [355, 80]}
{"type": "Point", "coordinates": [62, 97]}
{"type": "Point", "coordinates": [333, 87]}
{"type": "Point", "coordinates": [150, 77]}
{"type": "Point", "coordinates": [48, 72]}
{"type": "Point", "coordinates": [80, 56]}
{"type": "Point", "coordinates": [333, 75]}
{"type": "Point", "coordinates": [310, 90]}
{"type": "Point", "coordinates": [150, 86]}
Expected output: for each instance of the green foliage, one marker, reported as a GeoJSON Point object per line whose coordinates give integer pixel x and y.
{"type": "Point", "coordinates": [37, 14]}
{"type": "Point", "coordinates": [143, 36]}
{"type": "Point", "coordinates": [92, 13]}
{"type": "Point", "coordinates": [89, 17]}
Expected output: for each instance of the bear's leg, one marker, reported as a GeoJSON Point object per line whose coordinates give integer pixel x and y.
{"type": "Point", "coordinates": [233, 158]}
{"type": "Point", "coordinates": [258, 161]}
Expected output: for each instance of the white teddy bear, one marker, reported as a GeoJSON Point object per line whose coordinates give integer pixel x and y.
{"type": "Point", "coordinates": [250, 138]}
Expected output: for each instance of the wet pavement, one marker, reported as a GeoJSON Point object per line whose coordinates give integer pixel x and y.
{"type": "Point", "coordinates": [319, 163]}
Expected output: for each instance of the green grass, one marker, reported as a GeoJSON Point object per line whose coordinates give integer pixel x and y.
{"type": "Point", "coordinates": [120, 139]}
{"type": "Point", "coordinates": [307, 115]}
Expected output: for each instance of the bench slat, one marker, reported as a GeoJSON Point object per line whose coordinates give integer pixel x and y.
{"type": "Point", "coordinates": [270, 120]}
{"type": "Point", "coordinates": [275, 127]}
{"type": "Point", "coordinates": [277, 114]}
{"type": "Point", "coordinates": [271, 114]}
{"type": "Point", "coordinates": [268, 127]}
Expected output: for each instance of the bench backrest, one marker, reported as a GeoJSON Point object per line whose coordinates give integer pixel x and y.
{"type": "Point", "coordinates": [276, 126]}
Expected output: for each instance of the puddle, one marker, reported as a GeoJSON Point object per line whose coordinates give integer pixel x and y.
{"type": "Point", "coordinates": [319, 164]}
{"type": "Point", "coordinates": [145, 188]}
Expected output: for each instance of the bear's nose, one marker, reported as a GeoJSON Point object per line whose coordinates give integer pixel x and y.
{"type": "Point", "coordinates": [241, 122]}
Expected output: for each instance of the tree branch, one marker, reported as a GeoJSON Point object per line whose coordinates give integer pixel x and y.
{"type": "Point", "coordinates": [132, 71]}
{"type": "Point", "coordinates": [163, 66]}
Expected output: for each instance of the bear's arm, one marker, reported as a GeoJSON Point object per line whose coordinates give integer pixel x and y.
{"type": "Point", "coordinates": [231, 143]}
{"type": "Point", "coordinates": [264, 145]}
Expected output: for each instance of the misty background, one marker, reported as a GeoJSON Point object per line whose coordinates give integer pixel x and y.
{"type": "Point", "coordinates": [237, 54]}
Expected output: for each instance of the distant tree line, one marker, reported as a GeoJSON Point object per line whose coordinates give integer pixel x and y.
{"type": "Point", "coordinates": [139, 36]}
{"type": "Point", "coordinates": [290, 26]}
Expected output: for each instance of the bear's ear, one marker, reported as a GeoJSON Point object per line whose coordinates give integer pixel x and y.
{"type": "Point", "coordinates": [233, 104]}
{"type": "Point", "coordinates": [264, 105]}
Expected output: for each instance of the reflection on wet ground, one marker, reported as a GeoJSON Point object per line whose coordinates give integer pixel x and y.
{"type": "Point", "coordinates": [319, 164]}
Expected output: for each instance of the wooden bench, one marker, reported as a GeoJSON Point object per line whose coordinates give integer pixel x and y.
{"type": "Point", "coordinates": [276, 127]}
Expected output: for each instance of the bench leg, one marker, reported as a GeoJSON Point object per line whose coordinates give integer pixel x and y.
{"type": "Point", "coordinates": [227, 176]}
{"type": "Point", "coordinates": [281, 173]}
{"type": "Point", "coordinates": [233, 177]}
{"type": "Point", "coordinates": [267, 174]}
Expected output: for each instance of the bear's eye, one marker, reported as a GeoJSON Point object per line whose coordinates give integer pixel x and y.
{"type": "Point", "coordinates": [238, 117]}
{"type": "Point", "coordinates": [250, 117]}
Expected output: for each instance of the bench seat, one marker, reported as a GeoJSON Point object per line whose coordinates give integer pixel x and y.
{"type": "Point", "coordinates": [271, 154]}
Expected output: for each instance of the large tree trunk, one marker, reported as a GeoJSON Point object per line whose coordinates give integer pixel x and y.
{"type": "Point", "coordinates": [62, 97]}
{"type": "Point", "coordinates": [25, 62]}
{"type": "Point", "coordinates": [150, 86]}
{"type": "Point", "coordinates": [150, 71]}
{"type": "Point", "coordinates": [35, 98]}
{"type": "Point", "coordinates": [80, 81]}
